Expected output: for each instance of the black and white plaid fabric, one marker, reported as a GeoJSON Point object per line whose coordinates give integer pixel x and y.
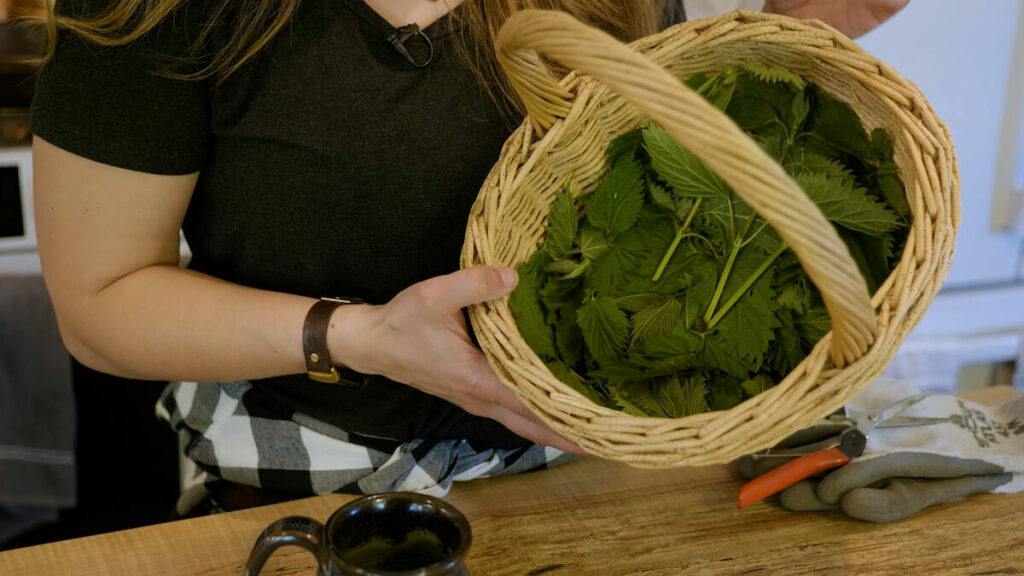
{"type": "Point", "coordinates": [301, 455]}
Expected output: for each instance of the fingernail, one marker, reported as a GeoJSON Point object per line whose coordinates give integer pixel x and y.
{"type": "Point", "coordinates": [509, 277]}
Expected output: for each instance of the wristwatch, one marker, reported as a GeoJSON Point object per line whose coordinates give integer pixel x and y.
{"type": "Point", "coordinates": [314, 339]}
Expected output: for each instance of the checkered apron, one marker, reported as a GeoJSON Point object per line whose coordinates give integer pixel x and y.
{"type": "Point", "coordinates": [301, 455]}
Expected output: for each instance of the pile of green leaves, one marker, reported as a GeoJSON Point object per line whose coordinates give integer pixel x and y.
{"type": "Point", "coordinates": [661, 293]}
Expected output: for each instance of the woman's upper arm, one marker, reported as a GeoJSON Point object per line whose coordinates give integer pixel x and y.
{"type": "Point", "coordinates": [97, 223]}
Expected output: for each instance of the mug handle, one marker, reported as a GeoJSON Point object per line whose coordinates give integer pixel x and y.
{"type": "Point", "coordinates": [292, 530]}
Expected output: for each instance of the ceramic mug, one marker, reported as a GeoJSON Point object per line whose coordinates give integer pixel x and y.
{"type": "Point", "coordinates": [396, 534]}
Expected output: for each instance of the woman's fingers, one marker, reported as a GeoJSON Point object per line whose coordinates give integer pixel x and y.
{"type": "Point", "coordinates": [533, 430]}
{"type": "Point", "coordinates": [451, 293]}
{"type": "Point", "coordinates": [501, 404]}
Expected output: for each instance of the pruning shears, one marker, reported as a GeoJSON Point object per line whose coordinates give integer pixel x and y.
{"type": "Point", "coordinates": [852, 427]}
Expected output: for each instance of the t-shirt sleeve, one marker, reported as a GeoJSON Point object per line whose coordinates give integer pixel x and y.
{"type": "Point", "coordinates": [110, 104]}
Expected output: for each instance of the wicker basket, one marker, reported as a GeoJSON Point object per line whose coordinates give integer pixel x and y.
{"type": "Point", "coordinates": [612, 89]}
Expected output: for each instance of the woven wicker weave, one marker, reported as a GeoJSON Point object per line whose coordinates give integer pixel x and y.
{"type": "Point", "coordinates": [612, 89]}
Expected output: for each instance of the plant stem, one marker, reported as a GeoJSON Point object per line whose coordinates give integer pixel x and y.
{"type": "Point", "coordinates": [746, 286]}
{"type": "Point", "coordinates": [737, 243]}
{"type": "Point", "coordinates": [680, 233]}
{"type": "Point", "coordinates": [721, 282]}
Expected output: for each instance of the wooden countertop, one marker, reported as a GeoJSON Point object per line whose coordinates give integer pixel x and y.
{"type": "Point", "coordinates": [593, 516]}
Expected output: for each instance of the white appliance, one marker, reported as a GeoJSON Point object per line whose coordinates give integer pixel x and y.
{"type": "Point", "coordinates": [17, 226]}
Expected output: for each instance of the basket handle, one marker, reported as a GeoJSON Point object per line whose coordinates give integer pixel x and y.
{"type": "Point", "coordinates": [704, 130]}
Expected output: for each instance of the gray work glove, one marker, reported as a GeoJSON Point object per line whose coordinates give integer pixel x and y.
{"type": "Point", "coordinates": [889, 487]}
{"type": "Point", "coordinates": [903, 470]}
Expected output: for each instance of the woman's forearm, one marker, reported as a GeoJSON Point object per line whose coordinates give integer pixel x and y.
{"type": "Point", "coordinates": [168, 323]}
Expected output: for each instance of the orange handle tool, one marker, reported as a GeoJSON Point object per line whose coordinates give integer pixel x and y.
{"type": "Point", "coordinates": [790, 473]}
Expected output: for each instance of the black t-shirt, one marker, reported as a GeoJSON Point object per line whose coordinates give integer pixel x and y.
{"type": "Point", "coordinates": [328, 166]}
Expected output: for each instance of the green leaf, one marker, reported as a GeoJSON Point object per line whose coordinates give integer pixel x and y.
{"type": "Point", "coordinates": [527, 310]}
{"type": "Point", "coordinates": [705, 272]}
{"type": "Point", "coordinates": [611, 273]}
{"type": "Point", "coordinates": [874, 256]}
{"type": "Point", "coordinates": [593, 243]}
{"type": "Point", "coordinates": [881, 145]}
{"type": "Point", "coordinates": [836, 127]}
{"type": "Point", "coordinates": [574, 381]}
{"type": "Point", "coordinates": [891, 189]}
{"type": "Point", "coordinates": [774, 74]}
{"type": "Point", "coordinates": [786, 351]}
{"type": "Point", "coordinates": [757, 104]}
{"type": "Point", "coordinates": [618, 198]}
{"type": "Point", "coordinates": [724, 391]}
{"type": "Point", "coordinates": [847, 206]}
{"type": "Point", "coordinates": [656, 319]}
{"type": "Point", "coordinates": [625, 146]}
{"type": "Point", "coordinates": [636, 302]}
{"type": "Point", "coordinates": [636, 399]}
{"type": "Point", "coordinates": [756, 385]}
{"type": "Point", "coordinates": [800, 108]}
{"type": "Point", "coordinates": [812, 326]}
{"type": "Point", "coordinates": [605, 329]}
{"type": "Point", "coordinates": [680, 168]}
{"type": "Point", "coordinates": [722, 354]}
{"type": "Point", "coordinates": [679, 399]}
{"type": "Point", "coordinates": [812, 162]}
{"type": "Point", "coordinates": [560, 234]}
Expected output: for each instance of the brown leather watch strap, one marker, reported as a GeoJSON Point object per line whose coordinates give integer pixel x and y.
{"type": "Point", "coordinates": [314, 339]}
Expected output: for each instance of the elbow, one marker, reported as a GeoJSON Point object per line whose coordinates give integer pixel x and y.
{"type": "Point", "coordinates": [79, 344]}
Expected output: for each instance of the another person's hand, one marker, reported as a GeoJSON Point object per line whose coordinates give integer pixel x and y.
{"type": "Point", "coordinates": [851, 17]}
{"type": "Point", "coordinates": [419, 338]}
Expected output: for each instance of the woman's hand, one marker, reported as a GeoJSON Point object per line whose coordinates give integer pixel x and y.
{"type": "Point", "coordinates": [851, 17]}
{"type": "Point", "coordinates": [419, 338]}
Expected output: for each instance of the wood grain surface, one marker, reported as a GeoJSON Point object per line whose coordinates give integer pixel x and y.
{"type": "Point", "coordinates": [594, 516]}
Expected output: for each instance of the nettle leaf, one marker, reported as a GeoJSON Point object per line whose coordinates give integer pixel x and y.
{"type": "Point", "coordinates": [812, 162]}
{"type": "Point", "coordinates": [846, 205]}
{"type": "Point", "coordinates": [812, 326]}
{"type": "Point", "coordinates": [569, 338]}
{"type": "Point", "coordinates": [757, 104]}
{"type": "Point", "coordinates": [656, 319]}
{"type": "Point", "coordinates": [874, 256]}
{"type": "Point", "coordinates": [774, 74]}
{"type": "Point", "coordinates": [681, 398]}
{"type": "Point", "coordinates": [881, 145]}
{"type": "Point", "coordinates": [747, 329]}
{"type": "Point", "coordinates": [593, 243]}
{"type": "Point", "coordinates": [575, 381]}
{"type": "Point", "coordinates": [680, 168]}
{"type": "Point", "coordinates": [560, 234]}
{"type": "Point", "coordinates": [800, 108]}
{"type": "Point", "coordinates": [618, 198]}
{"type": "Point", "coordinates": [625, 146]}
{"type": "Point", "coordinates": [705, 272]}
{"type": "Point", "coordinates": [636, 302]}
{"type": "Point", "coordinates": [605, 329]}
{"type": "Point", "coordinates": [725, 391]}
{"type": "Point", "coordinates": [837, 127]}
{"type": "Point", "coordinates": [792, 296]}
{"type": "Point", "coordinates": [527, 309]}
{"type": "Point", "coordinates": [612, 272]}
{"type": "Point", "coordinates": [678, 344]}
{"type": "Point", "coordinates": [661, 197]}
{"type": "Point", "coordinates": [757, 384]}
{"type": "Point", "coordinates": [786, 351]}
{"type": "Point", "coordinates": [636, 399]}
{"type": "Point", "coordinates": [891, 189]}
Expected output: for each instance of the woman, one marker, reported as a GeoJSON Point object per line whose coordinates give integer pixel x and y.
{"type": "Point", "coordinates": [308, 149]}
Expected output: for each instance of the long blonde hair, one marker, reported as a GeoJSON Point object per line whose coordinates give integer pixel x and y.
{"type": "Point", "coordinates": [256, 22]}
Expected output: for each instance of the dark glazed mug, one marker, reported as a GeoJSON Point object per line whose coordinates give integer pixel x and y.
{"type": "Point", "coordinates": [397, 534]}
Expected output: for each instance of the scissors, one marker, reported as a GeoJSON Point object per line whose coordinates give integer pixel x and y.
{"type": "Point", "coordinates": [853, 428]}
